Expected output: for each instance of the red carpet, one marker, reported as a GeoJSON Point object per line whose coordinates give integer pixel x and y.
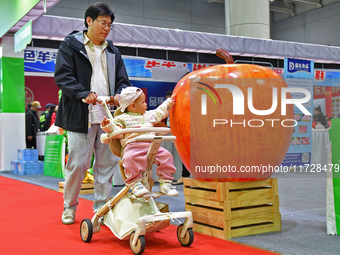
{"type": "Point", "coordinates": [31, 224]}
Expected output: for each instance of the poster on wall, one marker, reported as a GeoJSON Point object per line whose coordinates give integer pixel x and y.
{"type": "Point", "coordinates": [299, 74]}
{"type": "Point", "coordinates": [327, 92]}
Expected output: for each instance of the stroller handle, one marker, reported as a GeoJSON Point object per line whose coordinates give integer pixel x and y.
{"type": "Point", "coordinates": [150, 138]}
{"type": "Point", "coordinates": [139, 130]}
{"type": "Point", "coordinates": [117, 134]}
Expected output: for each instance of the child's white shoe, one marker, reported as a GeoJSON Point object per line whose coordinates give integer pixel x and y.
{"type": "Point", "coordinates": [139, 189]}
{"type": "Point", "coordinates": [167, 188]}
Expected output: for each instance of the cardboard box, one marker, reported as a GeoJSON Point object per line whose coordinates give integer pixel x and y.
{"type": "Point", "coordinates": [24, 155]}
{"type": "Point", "coordinates": [14, 166]}
{"type": "Point", "coordinates": [27, 155]}
{"type": "Point", "coordinates": [25, 168]}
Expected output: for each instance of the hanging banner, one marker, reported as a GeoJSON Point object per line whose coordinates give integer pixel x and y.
{"type": "Point", "coordinates": [54, 159]}
{"type": "Point", "coordinates": [299, 74]}
{"type": "Point", "coordinates": [40, 60]}
{"type": "Point", "coordinates": [23, 37]}
{"type": "Point", "coordinates": [43, 61]}
{"type": "Point", "coordinates": [154, 76]}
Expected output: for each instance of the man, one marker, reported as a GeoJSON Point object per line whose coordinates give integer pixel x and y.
{"type": "Point", "coordinates": [29, 106]}
{"type": "Point", "coordinates": [32, 125]}
{"type": "Point", "coordinates": [88, 66]}
{"type": "Point", "coordinates": [44, 116]}
{"type": "Point", "coordinates": [47, 122]}
{"type": "Point", "coordinates": [320, 118]}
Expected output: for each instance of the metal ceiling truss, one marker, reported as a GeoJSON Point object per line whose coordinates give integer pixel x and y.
{"type": "Point", "coordinates": [316, 3]}
{"type": "Point", "coordinates": [287, 7]}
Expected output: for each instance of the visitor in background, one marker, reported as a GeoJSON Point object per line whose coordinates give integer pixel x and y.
{"type": "Point", "coordinates": [54, 115]}
{"type": "Point", "coordinates": [314, 122]}
{"type": "Point", "coordinates": [329, 121]}
{"type": "Point", "coordinates": [320, 118]}
{"type": "Point", "coordinates": [44, 116]}
{"type": "Point", "coordinates": [29, 106]}
{"type": "Point", "coordinates": [48, 119]}
{"type": "Point", "coordinates": [32, 125]}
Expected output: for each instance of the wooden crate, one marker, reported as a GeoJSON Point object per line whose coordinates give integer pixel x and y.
{"type": "Point", "coordinates": [232, 209]}
{"type": "Point", "coordinates": [86, 188]}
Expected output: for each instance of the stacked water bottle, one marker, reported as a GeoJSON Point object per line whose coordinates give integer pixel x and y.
{"type": "Point", "coordinates": [27, 163]}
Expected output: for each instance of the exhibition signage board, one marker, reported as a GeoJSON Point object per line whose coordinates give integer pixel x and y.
{"type": "Point", "coordinates": [23, 37]}
{"type": "Point", "coordinates": [54, 156]}
{"type": "Point", "coordinates": [12, 96]}
{"type": "Point", "coordinates": [299, 74]}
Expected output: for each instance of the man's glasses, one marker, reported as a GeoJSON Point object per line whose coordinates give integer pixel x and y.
{"type": "Point", "coordinates": [104, 25]}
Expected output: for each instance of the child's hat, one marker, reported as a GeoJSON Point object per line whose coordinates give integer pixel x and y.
{"type": "Point", "coordinates": [128, 96]}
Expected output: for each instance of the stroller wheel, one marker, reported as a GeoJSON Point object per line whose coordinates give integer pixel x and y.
{"type": "Point", "coordinates": [188, 238]}
{"type": "Point", "coordinates": [140, 245]}
{"type": "Point", "coordinates": [86, 230]}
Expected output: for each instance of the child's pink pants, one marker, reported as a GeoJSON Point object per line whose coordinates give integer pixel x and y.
{"type": "Point", "coordinates": [134, 162]}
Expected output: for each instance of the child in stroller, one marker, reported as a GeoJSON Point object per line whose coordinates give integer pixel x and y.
{"type": "Point", "coordinates": [133, 115]}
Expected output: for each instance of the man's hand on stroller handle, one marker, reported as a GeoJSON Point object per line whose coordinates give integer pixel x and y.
{"type": "Point", "coordinates": [93, 98]}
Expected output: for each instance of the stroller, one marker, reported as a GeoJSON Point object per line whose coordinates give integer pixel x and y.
{"type": "Point", "coordinates": [128, 216]}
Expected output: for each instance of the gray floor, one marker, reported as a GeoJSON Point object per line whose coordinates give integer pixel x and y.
{"type": "Point", "coordinates": [302, 207]}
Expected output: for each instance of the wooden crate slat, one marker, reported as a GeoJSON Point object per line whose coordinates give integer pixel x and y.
{"type": "Point", "coordinates": [218, 233]}
{"type": "Point", "coordinates": [86, 191]}
{"type": "Point", "coordinates": [250, 184]}
{"type": "Point", "coordinates": [86, 188]}
{"type": "Point", "coordinates": [275, 187]}
{"type": "Point", "coordinates": [250, 202]}
{"type": "Point", "coordinates": [276, 204]}
{"type": "Point", "coordinates": [277, 222]}
{"type": "Point", "coordinates": [206, 211]}
{"type": "Point", "coordinates": [250, 194]}
{"type": "Point", "coordinates": [206, 216]}
{"type": "Point", "coordinates": [204, 202]}
{"type": "Point", "coordinates": [195, 183]}
{"type": "Point", "coordinates": [253, 230]}
{"type": "Point", "coordinates": [252, 220]}
{"type": "Point", "coordinates": [249, 212]}
{"type": "Point", "coordinates": [201, 193]}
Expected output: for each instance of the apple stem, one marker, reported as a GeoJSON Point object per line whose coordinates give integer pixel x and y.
{"type": "Point", "coordinates": [225, 55]}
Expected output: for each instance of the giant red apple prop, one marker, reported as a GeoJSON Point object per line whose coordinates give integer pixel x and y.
{"type": "Point", "coordinates": [217, 140]}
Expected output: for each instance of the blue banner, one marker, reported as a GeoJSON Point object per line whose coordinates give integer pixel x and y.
{"type": "Point", "coordinates": [299, 65]}
{"type": "Point", "coordinates": [154, 91]}
{"type": "Point", "coordinates": [299, 74]}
